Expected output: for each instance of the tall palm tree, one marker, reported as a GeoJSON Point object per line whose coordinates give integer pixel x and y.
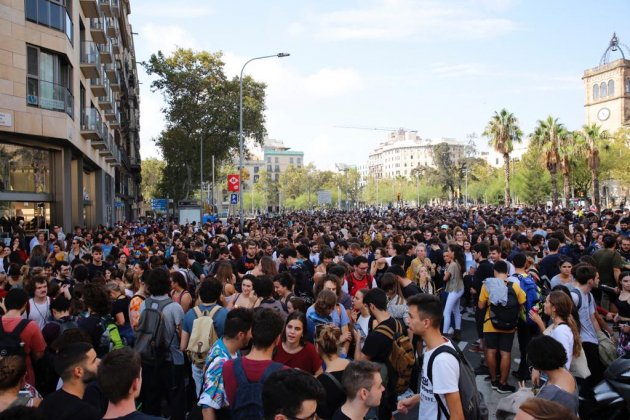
{"type": "Point", "coordinates": [591, 139]}
{"type": "Point", "coordinates": [566, 152]}
{"type": "Point", "coordinates": [546, 137]}
{"type": "Point", "coordinates": [503, 131]}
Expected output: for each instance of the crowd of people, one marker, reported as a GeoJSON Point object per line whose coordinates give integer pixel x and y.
{"type": "Point", "coordinates": [319, 314]}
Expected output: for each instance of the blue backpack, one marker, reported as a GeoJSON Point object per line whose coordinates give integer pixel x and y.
{"type": "Point", "coordinates": [248, 400]}
{"type": "Point", "coordinates": [532, 293]}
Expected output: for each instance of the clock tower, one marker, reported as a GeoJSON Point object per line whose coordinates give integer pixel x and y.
{"type": "Point", "coordinates": [608, 89]}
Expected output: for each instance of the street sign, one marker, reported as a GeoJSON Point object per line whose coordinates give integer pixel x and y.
{"type": "Point", "coordinates": [119, 204]}
{"type": "Point", "coordinates": [234, 182]}
{"type": "Point", "coordinates": [324, 197]}
{"type": "Point", "coordinates": [159, 204]}
{"type": "Point", "coordinates": [233, 198]}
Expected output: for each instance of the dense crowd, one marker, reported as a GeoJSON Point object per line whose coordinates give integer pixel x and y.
{"type": "Point", "coordinates": [329, 315]}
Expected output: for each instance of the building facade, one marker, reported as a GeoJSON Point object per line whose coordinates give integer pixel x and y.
{"type": "Point", "coordinates": [607, 90]}
{"type": "Point", "coordinates": [69, 113]}
{"type": "Point", "coordinates": [405, 150]}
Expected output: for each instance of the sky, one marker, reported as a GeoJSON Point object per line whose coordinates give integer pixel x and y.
{"type": "Point", "coordinates": [440, 67]}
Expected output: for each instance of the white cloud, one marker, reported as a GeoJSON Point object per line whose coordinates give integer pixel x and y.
{"type": "Point", "coordinates": [402, 19]}
{"type": "Point", "coordinates": [333, 82]}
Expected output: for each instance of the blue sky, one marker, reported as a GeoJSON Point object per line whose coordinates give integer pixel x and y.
{"type": "Point", "coordinates": [439, 67]}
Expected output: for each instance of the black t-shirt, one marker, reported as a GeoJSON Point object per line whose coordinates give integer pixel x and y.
{"type": "Point", "coordinates": [340, 416]}
{"type": "Point", "coordinates": [121, 305]}
{"type": "Point", "coordinates": [377, 346]}
{"type": "Point", "coordinates": [411, 289]}
{"type": "Point", "coordinates": [93, 326]}
{"type": "Point", "coordinates": [94, 269]}
{"type": "Point", "coordinates": [245, 264]}
{"type": "Point", "coordinates": [484, 270]}
{"type": "Point", "coordinates": [61, 405]}
{"type": "Point", "coordinates": [335, 396]}
{"type": "Point", "coordinates": [136, 415]}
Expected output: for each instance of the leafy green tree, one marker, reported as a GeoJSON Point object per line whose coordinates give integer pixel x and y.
{"type": "Point", "coordinates": [503, 131]}
{"type": "Point", "coordinates": [201, 106]}
{"type": "Point", "coordinates": [152, 172]}
{"type": "Point", "coordinates": [546, 137]}
{"type": "Point", "coordinates": [566, 154]}
{"type": "Point", "coordinates": [532, 182]}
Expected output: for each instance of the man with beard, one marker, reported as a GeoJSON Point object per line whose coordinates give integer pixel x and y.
{"type": "Point", "coordinates": [77, 365]}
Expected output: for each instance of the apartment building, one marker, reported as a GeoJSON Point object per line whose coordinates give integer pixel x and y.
{"type": "Point", "coordinates": [404, 150]}
{"type": "Point", "coordinates": [69, 113]}
{"type": "Point", "coordinates": [279, 157]}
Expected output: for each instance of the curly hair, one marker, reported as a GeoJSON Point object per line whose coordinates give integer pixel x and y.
{"type": "Point", "coordinates": [96, 298]}
{"type": "Point", "coordinates": [12, 371]}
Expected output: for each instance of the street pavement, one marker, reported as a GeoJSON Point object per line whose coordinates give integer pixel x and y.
{"type": "Point", "coordinates": [492, 397]}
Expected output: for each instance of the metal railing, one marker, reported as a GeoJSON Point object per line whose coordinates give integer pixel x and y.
{"type": "Point", "coordinates": [49, 95]}
{"type": "Point", "coordinates": [98, 24]}
{"type": "Point", "coordinates": [91, 121]}
{"type": "Point", "coordinates": [90, 53]}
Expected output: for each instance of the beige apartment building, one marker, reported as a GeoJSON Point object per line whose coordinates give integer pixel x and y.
{"type": "Point", "coordinates": [69, 113]}
{"type": "Point", "coordinates": [404, 150]}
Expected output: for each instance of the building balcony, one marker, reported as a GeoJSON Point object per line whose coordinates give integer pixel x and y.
{"type": "Point", "coordinates": [115, 83]}
{"type": "Point", "coordinates": [134, 162]}
{"type": "Point", "coordinates": [124, 159]}
{"type": "Point", "coordinates": [110, 113]}
{"type": "Point", "coordinates": [92, 127]}
{"type": "Point", "coordinates": [115, 122]}
{"type": "Point", "coordinates": [97, 86]}
{"type": "Point", "coordinates": [106, 7]}
{"type": "Point", "coordinates": [105, 52]}
{"type": "Point", "coordinates": [98, 29]}
{"type": "Point", "coordinates": [90, 60]}
{"type": "Point", "coordinates": [106, 101]}
{"type": "Point", "coordinates": [115, 8]}
{"type": "Point", "coordinates": [90, 8]}
{"type": "Point", "coordinates": [108, 141]}
{"type": "Point", "coordinates": [48, 95]}
{"type": "Point", "coordinates": [116, 45]}
{"type": "Point", "coordinates": [112, 29]}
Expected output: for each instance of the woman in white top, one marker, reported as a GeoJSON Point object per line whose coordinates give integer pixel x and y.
{"type": "Point", "coordinates": [563, 328]}
{"type": "Point", "coordinates": [360, 315]}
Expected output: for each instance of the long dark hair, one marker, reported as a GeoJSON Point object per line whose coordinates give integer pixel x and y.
{"type": "Point", "coordinates": [458, 256]}
{"type": "Point", "coordinates": [293, 316]}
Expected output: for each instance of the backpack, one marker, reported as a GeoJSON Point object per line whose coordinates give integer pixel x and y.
{"type": "Point", "coordinates": [10, 342]}
{"type": "Point", "coordinates": [505, 317]}
{"type": "Point", "coordinates": [248, 400]}
{"type": "Point", "coordinates": [473, 403]}
{"type": "Point", "coordinates": [192, 281]}
{"type": "Point", "coordinates": [533, 295]}
{"type": "Point", "coordinates": [66, 325]}
{"type": "Point", "coordinates": [203, 336]}
{"type": "Point", "coordinates": [110, 338]}
{"type": "Point", "coordinates": [402, 357]}
{"type": "Point", "coordinates": [150, 339]}
{"type": "Point", "coordinates": [320, 320]}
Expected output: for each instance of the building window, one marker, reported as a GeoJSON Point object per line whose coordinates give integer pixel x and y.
{"type": "Point", "coordinates": [48, 81]}
{"type": "Point", "coordinates": [256, 178]}
{"type": "Point", "coordinates": [269, 159]}
{"type": "Point", "coordinates": [268, 168]}
{"type": "Point", "coordinates": [611, 87]}
{"type": "Point", "coordinates": [299, 160]}
{"type": "Point", "coordinates": [291, 161]}
{"type": "Point", "coordinates": [277, 168]}
{"type": "Point", "coordinates": [595, 92]}
{"type": "Point", "coordinates": [628, 85]}
{"type": "Point", "coordinates": [55, 14]}
{"type": "Point", "coordinates": [256, 169]}
{"type": "Point", "coordinates": [276, 159]}
{"type": "Point", "coordinates": [603, 91]}
{"type": "Point", "coordinates": [24, 169]}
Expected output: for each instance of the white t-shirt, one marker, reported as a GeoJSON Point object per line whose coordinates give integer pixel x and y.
{"type": "Point", "coordinates": [363, 322]}
{"type": "Point", "coordinates": [445, 381]}
{"type": "Point", "coordinates": [38, 312]}
{"type": "Point", "coordinates": [563, 335]}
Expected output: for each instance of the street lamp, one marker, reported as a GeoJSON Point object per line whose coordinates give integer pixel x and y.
{"type": "Point", "coordinates": [240, 134]}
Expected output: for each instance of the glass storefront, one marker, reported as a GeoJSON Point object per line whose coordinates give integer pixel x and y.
{"type": "Point", "coordinates": [36, 215]}
{"type": "Point", "coordinates": [24, 169]}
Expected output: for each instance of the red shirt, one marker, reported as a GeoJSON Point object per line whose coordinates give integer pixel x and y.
{"type": "Point", "coordinates": [306, 359]}
{"type": "Point", "coordinates": [33, 340]}
{"type": "Point", "coordinates": [254, 370]}
{"type": "Point", "coordinates": [354, 284]}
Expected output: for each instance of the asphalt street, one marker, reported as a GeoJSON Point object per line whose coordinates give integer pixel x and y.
{"type": "Point", "coordinates": [492, 397]}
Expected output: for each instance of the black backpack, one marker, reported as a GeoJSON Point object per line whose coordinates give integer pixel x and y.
{"type": "Point", "coordinates": [248, 400]}
{"type": "Point", "coordinates": [149, 337]}
{"type": "Point", "coordinates": [505, 317]}
{"type": "Point", "coordinates": [473, 403]}
{"type": "Point", "coordinates": [10, 342]}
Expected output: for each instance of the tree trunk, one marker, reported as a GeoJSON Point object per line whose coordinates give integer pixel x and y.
{"type": "Point", "coordinates": [553, 171]}
{"type": "Point", "coordinates": [506, 167]}
{"type": "Point", "coordinates": [567, 188]}
{"type": "Point", "coordinates": [595, 185]}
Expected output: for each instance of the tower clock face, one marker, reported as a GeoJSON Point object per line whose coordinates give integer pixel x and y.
{"type": "Point", "coordinates": [603, 114]}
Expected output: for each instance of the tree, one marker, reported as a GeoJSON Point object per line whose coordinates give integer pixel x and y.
{"type": "Point", "coordinates": [532, 181]}
{"type": "Point", "coordinates": [566, 153]}
{"type": "Point", "coordinates": [503, 131]}
{"type": "Point", "coordinates": [546, 137]}
{"type": "Point", "coordinates": [201, 106]}
{"type": "Point", "coordinates": [152, 172]}
{"type": "Point", "coordinates": [591, 140]}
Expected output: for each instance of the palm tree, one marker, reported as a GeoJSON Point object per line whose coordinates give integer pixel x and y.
{"type": "Point", "coordinates": [546, 137]}
{"type": "Point", "coordinates": [566, 152]}
{"type": "Point", "coordinates": [503, 131]}
{"type": "Point", "coordinates": [591, 139]}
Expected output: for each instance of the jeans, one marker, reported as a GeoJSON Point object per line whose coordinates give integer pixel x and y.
{"type": "Point", "coordinates": [197, 374]}
{"type": "Point", "coordinates": [452, 307]}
